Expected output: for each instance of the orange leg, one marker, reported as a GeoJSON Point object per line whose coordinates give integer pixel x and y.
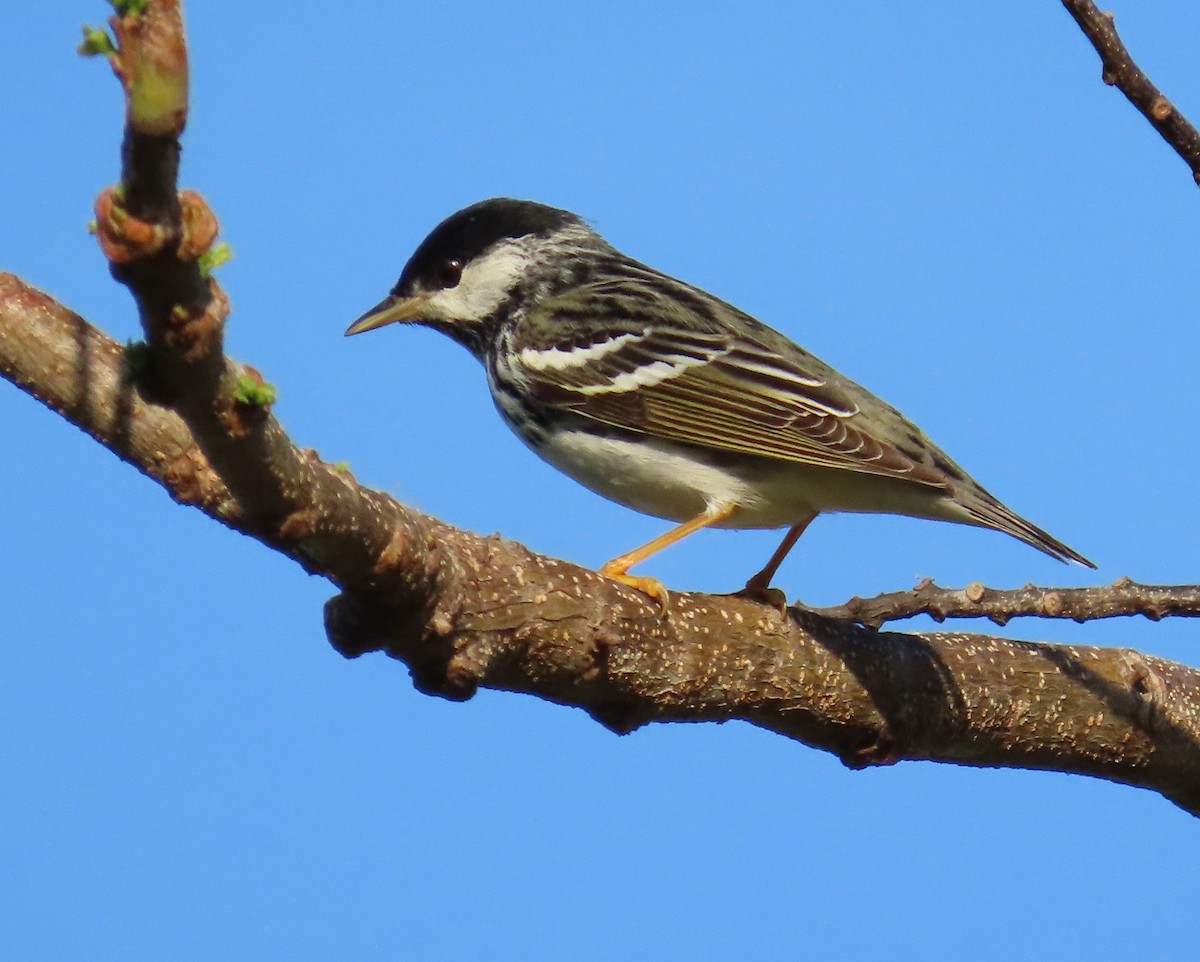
{"type": "Point", "coordinates": [760, 585]}
{"type": "Point", "coordinates": [617, 568]}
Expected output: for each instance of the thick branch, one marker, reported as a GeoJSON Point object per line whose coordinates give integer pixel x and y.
{"type": "Point", "coordinates": [1121, 72]}
{"type": "Point", "coordinates": [466, 612]}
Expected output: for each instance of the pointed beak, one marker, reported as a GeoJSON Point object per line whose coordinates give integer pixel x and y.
{"type": "Point", "coordinates": [391, 310]}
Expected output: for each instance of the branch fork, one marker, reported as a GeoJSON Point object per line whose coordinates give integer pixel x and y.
{"type": "Point", "coordinates": [465, 612]}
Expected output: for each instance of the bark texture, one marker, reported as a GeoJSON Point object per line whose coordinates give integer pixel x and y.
{"type": "Point", "coordinates": [465, 612]}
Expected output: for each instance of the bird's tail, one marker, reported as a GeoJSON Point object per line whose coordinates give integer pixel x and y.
{"type": "Point", "coordinates": [987, 512]}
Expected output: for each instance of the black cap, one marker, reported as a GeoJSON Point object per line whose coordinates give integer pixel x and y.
{"type": "Point", "coordinates": [467, 234]}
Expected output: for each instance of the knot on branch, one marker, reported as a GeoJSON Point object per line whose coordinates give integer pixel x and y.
{"type": "Point", "coordinates": [1144, 682]}
{"type": "Point", "coordinates": [124, 238]}
{"type": "Point", "coordinates": [356, 626]}
{"type": "Point", "coordinates": [410, 612]}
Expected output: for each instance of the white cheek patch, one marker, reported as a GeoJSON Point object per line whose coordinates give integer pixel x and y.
{"type": "Point", "coordinates": [485, 284]}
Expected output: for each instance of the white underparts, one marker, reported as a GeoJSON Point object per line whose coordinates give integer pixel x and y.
{"type": "Point", "coordinates": [649, 476]}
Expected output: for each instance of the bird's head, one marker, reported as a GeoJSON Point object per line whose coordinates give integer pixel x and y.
{"type": "Point", "coordinates": [472, 265]}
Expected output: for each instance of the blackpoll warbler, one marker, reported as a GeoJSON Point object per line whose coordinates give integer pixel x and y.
{"type": "Point", "coordinates": [665, 399]}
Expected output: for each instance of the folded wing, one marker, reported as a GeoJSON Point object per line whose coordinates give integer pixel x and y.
{"type": "Point", "coordinates": [701, 383]}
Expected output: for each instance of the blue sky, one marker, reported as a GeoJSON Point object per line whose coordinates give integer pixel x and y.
{"type": "Point", "coordinates": [943, 202]}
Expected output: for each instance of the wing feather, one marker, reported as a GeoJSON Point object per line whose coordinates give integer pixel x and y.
{"type": "Point", "coordinates": [704, 381]}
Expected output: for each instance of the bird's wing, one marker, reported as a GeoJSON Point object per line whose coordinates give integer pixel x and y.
{"type": "Point", "coordinates": [692, 376]}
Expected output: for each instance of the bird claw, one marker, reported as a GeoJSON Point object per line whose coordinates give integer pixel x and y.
{"type": "Point", "coordinates": [759, 590]}
{"type": "Point", "coordinates": [651, 587]}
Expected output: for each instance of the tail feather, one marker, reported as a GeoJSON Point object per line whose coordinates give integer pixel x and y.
{"type": "Point", "coordinates": [987, 512]}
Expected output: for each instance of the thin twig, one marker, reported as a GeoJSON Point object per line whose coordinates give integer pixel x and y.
{"type": "Point", "coordinates": [1122, 598]}
{"type": "Point", "coordinates": [1121, 72]}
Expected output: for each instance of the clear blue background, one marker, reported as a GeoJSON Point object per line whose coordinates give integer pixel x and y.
{"type": "Point", "coordinates": [943, 200]}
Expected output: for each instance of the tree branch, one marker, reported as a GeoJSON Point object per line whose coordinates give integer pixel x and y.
{"type": "Point", "coordinates": [1120, 71]}
{"type": "Point", "coordinates": [465, 612]}
{"type": "Point", "coordinates": [1122, 597]}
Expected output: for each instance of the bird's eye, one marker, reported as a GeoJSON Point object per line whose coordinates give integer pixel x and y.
{"type": "Point", "coordinates": [449, 273]}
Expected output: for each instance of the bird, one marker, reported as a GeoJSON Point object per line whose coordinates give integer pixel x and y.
{"type": "Point", "coordinates": [661, 397]}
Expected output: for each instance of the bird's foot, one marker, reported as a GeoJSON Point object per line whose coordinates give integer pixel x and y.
{"type": "Point", "coordinates": [759, 589]}
{"type": "Point", "coordinates": [647, 586]}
